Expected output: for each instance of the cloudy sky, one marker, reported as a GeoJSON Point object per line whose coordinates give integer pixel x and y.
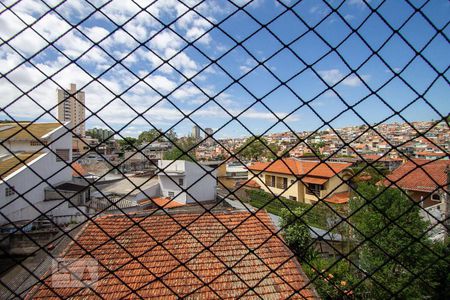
{"type": "Point", "coordinates": [248, 62]}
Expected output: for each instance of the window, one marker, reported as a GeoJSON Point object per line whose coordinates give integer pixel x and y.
{"type": "Point", "coordinates": [181, 181]}
{"type": "Point", "coordinates": [436, 197]}
{"type": "Point", "coordinates": [293, 198]}
{"type": "Point", "coordinates": [9, 191]}
{"type": "Point", "coordinates": [270, 180]}
{"type": "Point", "coordinates": [284, 183]}
{"type": "Point", "coordinates": [62, 154]}
{"type": "Point", "coordinates": [38, 143]}
{"type": "Point", "coordinates": [314, 189]}
{"type": "Point", "coordinates": [171, 194]}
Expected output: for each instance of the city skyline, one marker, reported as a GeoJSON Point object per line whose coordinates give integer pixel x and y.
{"type": "Point", "coordinates": [186, 85]}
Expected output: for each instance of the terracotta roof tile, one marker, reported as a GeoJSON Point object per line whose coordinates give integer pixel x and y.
{"type": "Point", "coordinates": [183, 260]}
{"type": "Point", "coordinates": [161, 202]}
{"type": "Point", "coordinates": [411, 177]}
{"type": "Point", "coordinates": [339, 198]}
{"type": "Point", "coordinates": [298, 167]}
{"type": "Point", "coordinates": [314, 180]}
{"type": "Point", "coordinates": [78, 170]}
{"type": "Point", "coordinates": [249, 183]}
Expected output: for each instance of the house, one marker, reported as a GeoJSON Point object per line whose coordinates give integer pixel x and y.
{"type": "Point", "coordinates": [186, 182]}
{"type": "Point", "coordinates": [431, 155]}
{"type": "Point", "coordinates": [251, 261]}
{"type": "Point", "coordinates": [36, 175]}
{"type": "Point", "coordinates": [302, 180]}
{"type": "Point", "coordinates": [384, 160]}
{"type": "Point", "coordinates": [425, 181]}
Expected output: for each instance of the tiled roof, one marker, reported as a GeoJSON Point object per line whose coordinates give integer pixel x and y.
{"type": "Point", "coordinates": [183, 256]}
{"type": "Point", "coordinates": [78, 170]}
{"type": "Point", "coordinates": [376, 157]}
{"type": "Point", "coordinates": [249, 183]}
{"type": "Point", "coordinates": [339, 198]}
{"type": "Point", "coordinates": [36, 129]}
{"type": "Point", "coordinates": [314, 180]}
{"type": "Point", "coordinates": [411, 177]}
{"type": "Point", "coordinates": [429, 153]}
{"type": "Point", "coordinates": [161, 202]}
{"type": "Point", "coordinates": [292, 166]}
{"type": "Point", "coordinates": [13, 163]}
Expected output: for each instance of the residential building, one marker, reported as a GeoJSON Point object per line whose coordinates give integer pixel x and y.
{"type": "Point", "coordinates": [71, 107]}
{"type": "Point", "coordinates": [425, 181]}
{"type": "Point", "coordinates": [259, 258]}
{"type": "Point", "coordinates": [387, 162]}
{"type": "Point", "coordinates": [302, 180]}
{"type": "Point", "coordinates": [101, 134]}
{"type": "Point", "coordinates": [35, 174]}
{"type": "Point", "coordinates": [187, 182]}
{"type": "Point", "coordinates": [196, 132]}
{"type": "Point", "coordinates": [235, 173]}
{"type": "Point", "coordinates": [209, 133]}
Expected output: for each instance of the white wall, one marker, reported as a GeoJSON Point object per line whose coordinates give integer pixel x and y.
{"type": "Point", "coordinates": [152, 191]}
{"type": "Point", "coordinates": [62, 138]}
{"type": "Point", "coordinates": [203, 190]}
{"type": "Point", "coordinates": [26, 181]}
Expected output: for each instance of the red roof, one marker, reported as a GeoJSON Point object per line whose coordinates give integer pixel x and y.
{"type": "Point", "coordinates": [78, 170]}
{"type": "Point", "coordinates": [161, 202]}
{"type": "Point", "coordinates": [372, 157]}
{"type": "Point", "coordinates": [420, 178]}
{"type": "Point", "coordinates": [173, 264]}
{"type": "Point", "coordinates": [428, 153]}
{"type": "Point", "coordinates": [250, 183]}
{"type": "Point", "coordinates": [339, 198]}
{"type": "Point", "coordinates": [292, 166]}
{"type": "Point", "coordinates": [314, 180]}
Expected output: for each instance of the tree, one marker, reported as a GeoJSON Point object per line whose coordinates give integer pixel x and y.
{"type": "Point", "coordinates": [150, 136]}
{"type": "Point", "coordinates": [372, 174]}
{"type": "Point", "coordinates": [128, 143]}
{"type": "Point", "coordinates": [255, 148]}
{"type": "Point", "coordinates": [296, 232]}
{"type": "Point", "coordinates": [178, 149]}
{"type": "Point", "coordinates": [398, 255]}
{"type": "Point", "coordinates": [332, 277]}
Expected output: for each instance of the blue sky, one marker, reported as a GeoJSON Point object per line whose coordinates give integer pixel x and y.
{"type": "Point", "coordinates": [318, 58]}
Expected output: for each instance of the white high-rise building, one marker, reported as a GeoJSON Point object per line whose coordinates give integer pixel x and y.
{"type": "Point", "coordinates": [71, 107]}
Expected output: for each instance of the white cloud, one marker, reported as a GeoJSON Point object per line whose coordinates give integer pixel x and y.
{"type": "Point", "coordinates": [96, 33]}
{"type": "Point", "coordinates": [73, 44]}
{"type": "Point", "coordinates": [254, 3]}
{"type": "Point", "coordinates": [165, 40]}
{"type": "Point", "coordinates": [161, 83]}
{"type": "Point", "coordinates": [333, 76]}
{"type": "Point", "coordinates": [359, 3]}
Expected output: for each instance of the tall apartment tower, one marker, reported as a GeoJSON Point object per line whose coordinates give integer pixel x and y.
{"type": "Point", "coordinates": [209, 132]}
{"type": "Point", "coordinates": [196, 132]}
{"type": "Point", "coordinates": [71, 108]}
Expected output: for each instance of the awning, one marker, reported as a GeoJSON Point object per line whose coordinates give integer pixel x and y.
{"type": "Point", "coordinates": [314, 180]}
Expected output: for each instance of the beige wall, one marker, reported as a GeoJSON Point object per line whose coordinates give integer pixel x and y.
{"type": "Point", "coordinates": [298, 189]}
